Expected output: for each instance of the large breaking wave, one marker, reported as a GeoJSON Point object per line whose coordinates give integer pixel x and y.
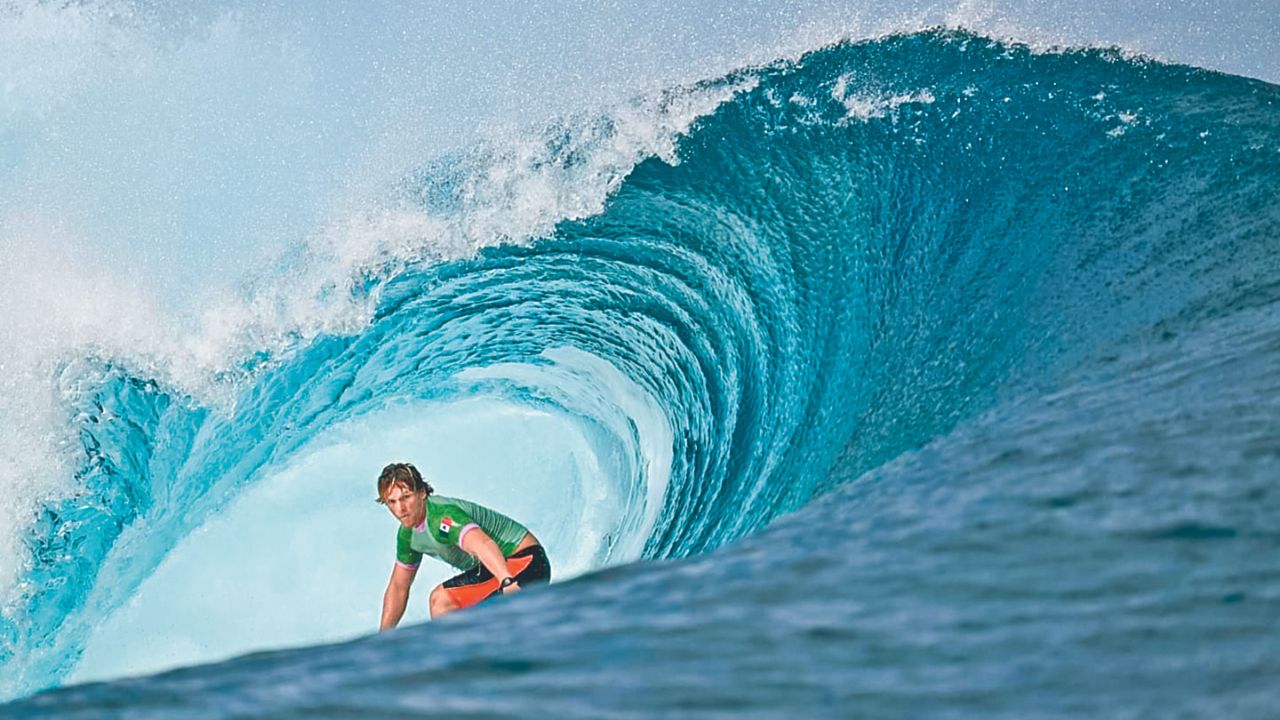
{"type": "Point", "coordinates": [656, 330]}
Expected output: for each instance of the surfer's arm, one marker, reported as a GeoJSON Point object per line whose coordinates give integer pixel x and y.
{"type": "Point", "coordinates": [396, 598]}
{"type": "Point", "coordinates": [479, 545]}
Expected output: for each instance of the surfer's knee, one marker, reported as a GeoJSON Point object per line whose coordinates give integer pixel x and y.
{"type": "Point", "coordinates": [440, 602]}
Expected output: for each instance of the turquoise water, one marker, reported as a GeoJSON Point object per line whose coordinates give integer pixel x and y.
{"type": "Point", "coordinates": [927, 375]}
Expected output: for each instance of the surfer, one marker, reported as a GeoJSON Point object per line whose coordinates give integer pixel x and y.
{"type": "Point", "coordinates": [496, 554]}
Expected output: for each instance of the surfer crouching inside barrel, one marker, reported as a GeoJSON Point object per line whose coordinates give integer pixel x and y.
{"type": "Point", "coordinates": [496, 554]}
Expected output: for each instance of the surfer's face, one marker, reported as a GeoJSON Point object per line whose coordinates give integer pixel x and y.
{"type": "Point", "coordinates": [406, 505]}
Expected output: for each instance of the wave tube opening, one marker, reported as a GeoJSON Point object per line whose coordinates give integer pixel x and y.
{"type": "Point", "coordinates": [303, 554]}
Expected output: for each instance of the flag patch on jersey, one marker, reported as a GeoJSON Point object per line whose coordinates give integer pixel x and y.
{"type": "Point", "coordinates": [446, 525]}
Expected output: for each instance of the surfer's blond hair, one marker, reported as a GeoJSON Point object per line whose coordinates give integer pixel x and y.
{"type": "Point", "coordinates": [401, 474]}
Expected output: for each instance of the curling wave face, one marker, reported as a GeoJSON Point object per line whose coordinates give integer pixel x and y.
{"type": "Point", "coordinates": [845, 259]}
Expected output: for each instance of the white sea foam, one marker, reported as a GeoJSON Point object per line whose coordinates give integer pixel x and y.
{"type": "Point", "coordinates": [861, 105]}
{"type": "Point", "coordinates": [54, 298]}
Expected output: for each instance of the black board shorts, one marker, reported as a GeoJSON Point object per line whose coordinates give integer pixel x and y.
{"type": "Point", "coordinates": [529, 567]}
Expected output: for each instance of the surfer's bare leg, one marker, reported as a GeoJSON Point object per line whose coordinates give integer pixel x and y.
{"type": "Point", "coordinates": [441, 603]}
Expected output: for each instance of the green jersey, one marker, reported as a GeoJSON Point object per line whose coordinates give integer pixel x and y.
{"type": "Point", "coordinates": [441, 532]}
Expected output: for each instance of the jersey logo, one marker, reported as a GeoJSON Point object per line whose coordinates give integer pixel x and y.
{"type": "Point", "coordinates": [446, 525]}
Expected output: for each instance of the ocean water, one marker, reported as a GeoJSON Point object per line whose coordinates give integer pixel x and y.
{"type": "Point", "coordinates": [929, 374]}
